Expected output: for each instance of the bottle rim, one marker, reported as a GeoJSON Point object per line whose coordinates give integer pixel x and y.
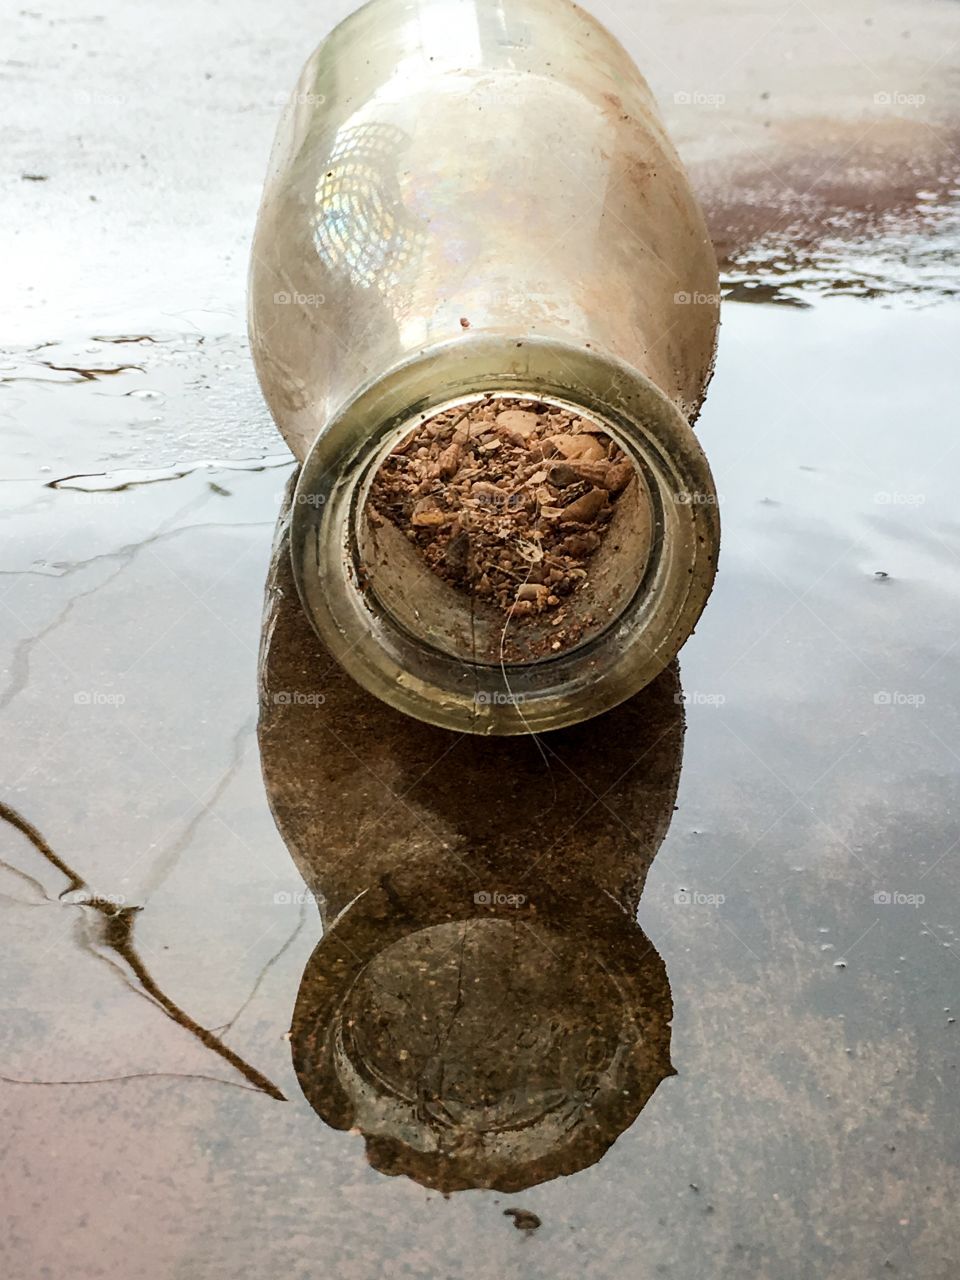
{"type": "Point", "coordinates": [408, 671]}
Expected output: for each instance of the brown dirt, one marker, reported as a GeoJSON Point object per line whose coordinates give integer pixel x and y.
{"type": "Point", "coordinates": [507, 500]}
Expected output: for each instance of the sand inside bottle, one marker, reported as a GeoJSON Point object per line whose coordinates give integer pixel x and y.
{"type": "Point", "coordinates": [506, 530]}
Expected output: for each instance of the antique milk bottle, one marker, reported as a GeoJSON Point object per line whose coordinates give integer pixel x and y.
{"type": "Point", "coordinates": [472, 205]}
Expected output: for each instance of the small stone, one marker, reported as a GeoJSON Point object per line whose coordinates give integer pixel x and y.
{"type": "Point", "coordinates": [523, 1219]}
{"type": "Point", "coordinates": [449, 461]}
{"type": "Point", "coordinates": [562, 474]}
{"type": "Point", "coordinates": [533, 591]}
{"type": "Point", "coordinates": [427, 515]}
{"type": "Point", "coordinates": [587, 508]}
{"type": "Point", "coordinates": [517, 425]}
{"type": "Point", "coordinates": [619, 476]}
{"type": "Point", "coordinates": [580, 544]}
{"type": "Point", "coordinates": [583, 448]}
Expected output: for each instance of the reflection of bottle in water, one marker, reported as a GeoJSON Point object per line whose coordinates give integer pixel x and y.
{"type": "Point", "coordinates": [471, 198]}
{"type": "Point", "coordinates": [483, 1005]}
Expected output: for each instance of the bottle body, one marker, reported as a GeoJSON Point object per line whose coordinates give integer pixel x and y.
{"type": "Point", "coordinates": [470, 199]}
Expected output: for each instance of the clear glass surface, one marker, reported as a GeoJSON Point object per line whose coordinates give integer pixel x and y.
{"type": "Point", "coordinates": [468, 196]}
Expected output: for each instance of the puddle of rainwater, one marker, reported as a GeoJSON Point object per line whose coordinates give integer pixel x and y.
{"type": "Point", "coordinates": [721, 1084]}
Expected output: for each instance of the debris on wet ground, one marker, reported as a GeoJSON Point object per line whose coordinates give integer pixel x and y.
{"type": "Point", "coordinates": [107, 932]}
{"type": "Point", "coordinates": [507, 500]}
{"type": "Point", "coordinates": [523, 1219]}
{"type": "Point", "coordinates": [91, 375]}
{"type": "Point", "coordinates": [119, 400]}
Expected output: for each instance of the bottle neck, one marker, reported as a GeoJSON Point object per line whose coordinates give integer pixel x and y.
{"type": "Point", "coordinates": [420, 645]}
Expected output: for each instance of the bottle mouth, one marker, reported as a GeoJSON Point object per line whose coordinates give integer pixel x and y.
{"type": "Point", "coordinates": [451, 658]}
{"type": "Point", "coordinates": [530, 555]}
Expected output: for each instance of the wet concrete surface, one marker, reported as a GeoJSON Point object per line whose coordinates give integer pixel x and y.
{"type": "Point", "coordinates": [779, 1018]}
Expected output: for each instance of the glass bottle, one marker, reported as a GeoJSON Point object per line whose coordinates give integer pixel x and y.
{"type": "Point", "coordinates": [473, 198]}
